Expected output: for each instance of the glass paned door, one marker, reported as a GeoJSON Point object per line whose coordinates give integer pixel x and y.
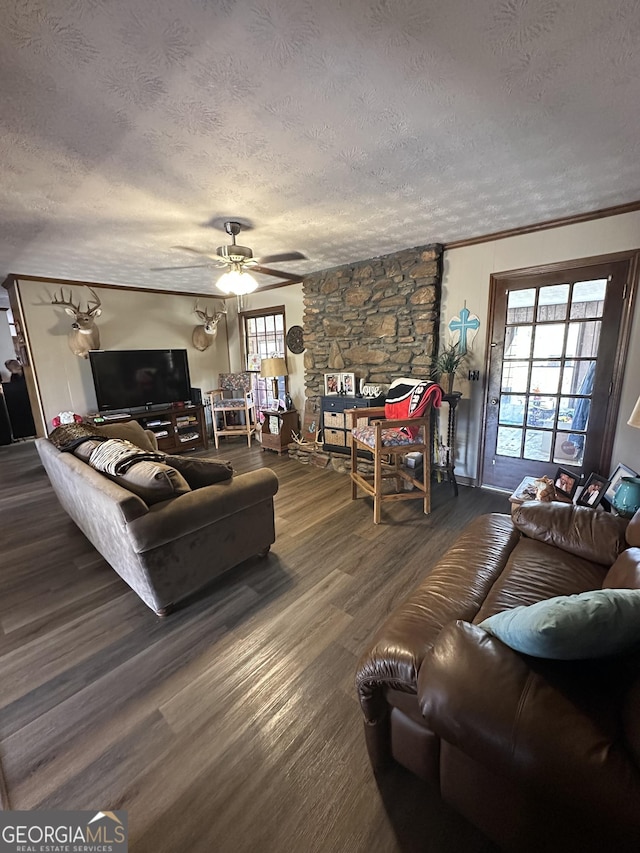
{"type": "Point", "coordinates": [549, 372]}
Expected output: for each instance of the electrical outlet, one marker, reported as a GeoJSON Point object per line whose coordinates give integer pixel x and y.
{"type": "Point", "coordinates": [474, 375]}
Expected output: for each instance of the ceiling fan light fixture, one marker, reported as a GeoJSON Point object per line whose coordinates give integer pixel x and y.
{"type": "Point", "coordinates": [237, 282]}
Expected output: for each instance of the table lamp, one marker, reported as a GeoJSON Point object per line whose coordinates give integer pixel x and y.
{"type": "Point", "coordinates": [271, 368]}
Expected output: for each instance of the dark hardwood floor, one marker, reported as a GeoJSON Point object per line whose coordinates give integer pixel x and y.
{"type": "Point", "coordinates": [233, 724]}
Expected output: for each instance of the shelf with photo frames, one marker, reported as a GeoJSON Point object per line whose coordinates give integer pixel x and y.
{"type": "Point", "coordinates": [339, 384]}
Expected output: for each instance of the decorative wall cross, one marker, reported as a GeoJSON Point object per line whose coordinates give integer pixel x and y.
{"type": "Point", "coordinates": [465, 323]}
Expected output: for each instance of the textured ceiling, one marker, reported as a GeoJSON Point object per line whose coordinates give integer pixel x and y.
{"type": "Point", "coordinates": [344, 129]}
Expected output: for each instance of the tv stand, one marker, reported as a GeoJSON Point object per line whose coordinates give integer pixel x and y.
{"type": "Point", "coordinates": [176, 429]}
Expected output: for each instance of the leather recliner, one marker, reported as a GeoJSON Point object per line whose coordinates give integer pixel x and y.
{"type": "Point", "coordinates": [539, 754]}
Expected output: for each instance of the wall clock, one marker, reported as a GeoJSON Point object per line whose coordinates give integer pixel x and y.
{"type": "Point", "coordinates": [295, 339]}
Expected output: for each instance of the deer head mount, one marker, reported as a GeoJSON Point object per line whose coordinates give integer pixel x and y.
{"type": "Point", "coordinates": [84, 334]}
{"type": "Point", "coordinates": [205, 334]}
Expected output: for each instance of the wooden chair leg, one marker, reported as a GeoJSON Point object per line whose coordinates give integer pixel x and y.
{"type": "Point", "coordinates": [215, 428]}
{"type": "Point", "coordinates": [377, 488]}
{"type": "Point", "coordinates": [426, 481]}
{"type": "Point", "coordinates": [396, 459]}
{"type": "Point", "coordinates": [354, 468]}
{"type": "Point", "coordinates": [247, 422]}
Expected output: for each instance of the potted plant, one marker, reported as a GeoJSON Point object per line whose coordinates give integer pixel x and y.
{"type": "Point", "coordinates": [447, 363]}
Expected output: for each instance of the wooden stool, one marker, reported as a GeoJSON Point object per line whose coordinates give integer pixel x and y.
{"type": "Point", "coordinates": [388, 441]}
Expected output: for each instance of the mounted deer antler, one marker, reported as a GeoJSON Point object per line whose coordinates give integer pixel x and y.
{"type": "Point", "coordinates": [85, 335]}
{"type": "Point", "coordinates": [205, 334]}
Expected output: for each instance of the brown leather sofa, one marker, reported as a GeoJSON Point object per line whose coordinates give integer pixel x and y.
{"type": "Point", "coordinates": [541, 755]}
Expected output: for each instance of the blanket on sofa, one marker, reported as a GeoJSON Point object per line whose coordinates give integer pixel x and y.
{"type": "Point", "coordinates": [116, 455]}
{"type": "Point", "coordinates": [67, 437]}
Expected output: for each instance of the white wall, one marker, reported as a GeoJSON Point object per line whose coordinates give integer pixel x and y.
{"type": "Point", "coordinates": [466, 277]}
{"type": "Point", "coordinates": [291, 297]}
{"type": "Point", "coordinates": [130, 320]}
{"type": "Point", "coordinates": [7, 350]}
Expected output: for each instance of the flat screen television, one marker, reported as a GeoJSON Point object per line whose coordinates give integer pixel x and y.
{"type": "Point", "coordinates": [133, 379]}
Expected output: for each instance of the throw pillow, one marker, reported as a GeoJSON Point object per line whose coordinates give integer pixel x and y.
{"type": "Point", "coordinates": [201, 472]}
{"type": "Point", "coordinates": [83, 451]}
{"type": "Point", "coordinates": [592, 624]}
{"type": "Point", "coordinates": [152, 481]}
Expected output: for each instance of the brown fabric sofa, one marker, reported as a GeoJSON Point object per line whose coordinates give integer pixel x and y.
{"type": "Point", "coordinates": [541, 755]}
{"type": "Point", "coordinates": [170, 549]}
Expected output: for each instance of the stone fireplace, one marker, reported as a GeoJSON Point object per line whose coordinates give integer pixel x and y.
{"type": "Point", "coordinates": [377, 318]}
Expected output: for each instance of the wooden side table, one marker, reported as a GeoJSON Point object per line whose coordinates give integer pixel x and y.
{"type": "Point", "coordinates": [277, 429]}
{"type": "Point", "coordinates": [448, 464]}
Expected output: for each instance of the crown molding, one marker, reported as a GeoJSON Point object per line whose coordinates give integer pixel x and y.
{"type": "Point", "coordinates": [630, 207]}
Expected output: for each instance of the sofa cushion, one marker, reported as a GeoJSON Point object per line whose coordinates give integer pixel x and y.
{"type": "Point", "coordinates": [200, 472]}
{"type": "Point", "coordinates": [625, 572]}
{"type": "Point", "coordinates": [591, 624]}
{"type": "Point", "coordinates": [129, 431]}
{"type": "Point", "coordinates": [592, 534]}
{"type": "Point", "coordinates": [152, 481]}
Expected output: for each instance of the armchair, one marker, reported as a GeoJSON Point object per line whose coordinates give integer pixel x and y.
{"type": "Point", "coordinates": [235, 397]}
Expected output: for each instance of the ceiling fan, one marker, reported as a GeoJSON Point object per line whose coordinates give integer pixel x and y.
{"type": "Point", "coordinates": [239, 260]}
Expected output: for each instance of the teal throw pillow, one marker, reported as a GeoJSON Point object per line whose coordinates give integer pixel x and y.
{"type": "Point", "coordinates": [592, 624]}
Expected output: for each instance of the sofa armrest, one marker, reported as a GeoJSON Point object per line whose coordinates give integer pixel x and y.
{"type": "Point", "coordinates": [454, 589]}
{"type": "Point", "coordinates": [551, 725]}
{"type": "Point", "coordinates": [169, 520]}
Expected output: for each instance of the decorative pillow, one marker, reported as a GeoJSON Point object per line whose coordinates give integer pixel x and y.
{"type": "Point", "coordinates": [83, 451]}
{"type": "Point", "coordinates": [152, 481]}
{"type": "Point", "coordinates": [201, 472]}
{"type": "Point", "coordinates": [592, 624]}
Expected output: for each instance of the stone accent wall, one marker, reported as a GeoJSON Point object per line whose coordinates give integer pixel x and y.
{"type": "Point", "coordinates": [378, 318]}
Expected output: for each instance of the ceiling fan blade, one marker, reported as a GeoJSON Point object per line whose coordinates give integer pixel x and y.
{"type": "Point", "coordinates": [200, 252]}
{"type": "Point", "coordinates": [277, 273]}
{"type": "Point", "coordinates": [285, 256]}
{"type": "Point", "coordinates": [190, 267]}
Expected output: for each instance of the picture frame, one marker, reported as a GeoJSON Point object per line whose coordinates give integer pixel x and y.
{"type": "Point", "coordinates": [615, 480]}
{"type": "Point", "coordinates": [348, 383]}
{"type": "Point", "coordinates": [593, 491]}
{"type": "Point", "coordinates": [331, 384]}
{"type": "Point", "coordinates": [566, 482]}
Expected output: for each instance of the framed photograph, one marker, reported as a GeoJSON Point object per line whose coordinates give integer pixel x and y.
{"type": "Point", "coordinates": [616, 479]}
{"type": "Point", "coordinates": [348, 382]}
{"type": "Point", "coordinates": [566, 482]}
{"type": "Point", "coordinates": [331, 384]}
{"type": "Point", "coordinates": [593, 491]}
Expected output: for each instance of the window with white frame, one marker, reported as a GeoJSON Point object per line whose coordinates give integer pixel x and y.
{"type": "Point", "coordinates": [264, 337]}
